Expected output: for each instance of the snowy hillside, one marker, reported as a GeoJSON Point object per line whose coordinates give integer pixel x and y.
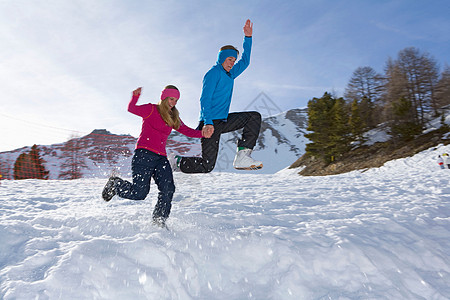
{"type": "Point", "coordinates": [380, 234]}
{"type": "Point", "coordinates": [281, 136]}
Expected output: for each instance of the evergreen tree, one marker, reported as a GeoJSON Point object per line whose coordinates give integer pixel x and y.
{"type": "Point", "coordinates": [369, 113]}
{"type": "Point", "coordinates": [328, 126]}
{"type": "Point", "coordinates": [319, 124]}
{"type": "Point", "coordinates": [22, 166]}
{"type": "Point", "coordinates": [39, 163]}
{"type": "Point", "coordinates": [356, 123]}
{"type": "Point", "coordinates": [340, 130]}
{"type": "Point", "coordinates": [30, 165]}
{"type": "Point", "coordinates": [404, 126]}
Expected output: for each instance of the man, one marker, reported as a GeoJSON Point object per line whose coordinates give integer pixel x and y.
{"type": "Point", "coordinates": [215, 118]}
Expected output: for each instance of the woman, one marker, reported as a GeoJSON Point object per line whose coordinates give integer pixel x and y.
{"type": "Point", "coordinates": [150, 158]}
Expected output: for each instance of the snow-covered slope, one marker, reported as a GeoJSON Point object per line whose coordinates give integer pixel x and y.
{"type": "Point", "coordinates": [380, 234]}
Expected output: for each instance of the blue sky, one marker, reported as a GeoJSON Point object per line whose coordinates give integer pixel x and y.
{"type": "Point", "coordinates": [68, 67]}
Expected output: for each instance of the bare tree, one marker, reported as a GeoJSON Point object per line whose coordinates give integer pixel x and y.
{"type": "Point", "coordinates": [430, 81]}
{"type": "Point", "coordinates": [395, 88]}
{"type": "Point", "coordinates": [364, 83]}
{"type": "Point", "coordinates": [366, 86]}
{"type": "Point", "coordinates": [443, 89]}
{"type": "Point", "coordinates": [413, 77]}
{"type": "Point", "coordinates": [74, 161]}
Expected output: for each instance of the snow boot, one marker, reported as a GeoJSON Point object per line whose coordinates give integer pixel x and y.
{"type": "Point", "coordinates": [109, 190]}
{"type": "Point", "coordinates": [243, 160]}
{"type": "Point", "coordinates": [160, 222]}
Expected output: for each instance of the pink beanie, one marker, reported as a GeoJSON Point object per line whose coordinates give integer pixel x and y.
{"type": "Point", "coordinates": [170, 93]}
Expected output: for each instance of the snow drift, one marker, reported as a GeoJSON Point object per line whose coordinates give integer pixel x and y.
{"type": "Point", "coordinates": [379, 234]}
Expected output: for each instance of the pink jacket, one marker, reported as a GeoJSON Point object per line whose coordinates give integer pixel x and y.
{"type": "Point", "coordinates": [155, 131]}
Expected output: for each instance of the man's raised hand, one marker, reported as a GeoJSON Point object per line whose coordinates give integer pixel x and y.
{"type": "Point", "coordinates": [248, 28]}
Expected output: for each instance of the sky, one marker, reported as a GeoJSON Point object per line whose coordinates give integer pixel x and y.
{"type": "Point", "coordinates": [69, 67]}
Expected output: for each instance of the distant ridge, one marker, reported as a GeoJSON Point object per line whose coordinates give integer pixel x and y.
{"type": "Point", "coordinates": [280, 143]}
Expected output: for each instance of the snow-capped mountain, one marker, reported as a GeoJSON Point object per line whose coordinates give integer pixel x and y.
{"type": "Point", "coordinates": [280, 143]}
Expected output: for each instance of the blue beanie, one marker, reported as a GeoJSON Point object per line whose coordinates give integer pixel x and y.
{"type": "Point", "coordinates": [226, 53]}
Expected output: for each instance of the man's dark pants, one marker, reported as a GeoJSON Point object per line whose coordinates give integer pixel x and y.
{"type": "Point", "coordinates": [249, 121]}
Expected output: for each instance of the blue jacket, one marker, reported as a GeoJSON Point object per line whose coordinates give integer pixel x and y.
{"type": "Point", "coordinates": [217, 88]}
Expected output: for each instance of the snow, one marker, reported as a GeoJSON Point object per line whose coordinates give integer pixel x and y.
{"type": "Point", "coordinates": [376, 135]}
{"type": "Point", "coordinates": [380, 133]}
{"type": "Point", "coordinates": [379, 234]}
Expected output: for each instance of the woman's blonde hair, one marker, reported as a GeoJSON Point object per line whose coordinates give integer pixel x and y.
{"type": "Point", "coordinates": [170, 116]}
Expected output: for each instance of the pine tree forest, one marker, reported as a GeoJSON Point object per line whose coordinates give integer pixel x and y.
{"type": "Point", "coordinates": [402, 100]}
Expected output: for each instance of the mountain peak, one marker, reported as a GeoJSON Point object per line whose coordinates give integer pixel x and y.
{"type": "Point", "coordinates": [101, 131]}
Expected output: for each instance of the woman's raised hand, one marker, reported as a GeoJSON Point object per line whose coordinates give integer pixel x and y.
{"type": "Point", "coordinates": [137, 91]}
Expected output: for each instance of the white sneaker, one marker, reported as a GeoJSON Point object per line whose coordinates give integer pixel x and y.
{"type": "Point", "coordinates": [243, 161]}
{"type": "Point", "coordinates": [173, 161]}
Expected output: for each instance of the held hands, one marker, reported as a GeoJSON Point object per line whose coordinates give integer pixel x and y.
{"type": "Point", "coordinates": [137, 92]}
{"type": "Point", "coordinates": [248, 28]}
{"type": "Point", "coordinates": [207, 131]}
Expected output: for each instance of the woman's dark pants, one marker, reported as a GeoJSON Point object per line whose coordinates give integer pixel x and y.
{"type": "Point", "coordinates": [146, 165]}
